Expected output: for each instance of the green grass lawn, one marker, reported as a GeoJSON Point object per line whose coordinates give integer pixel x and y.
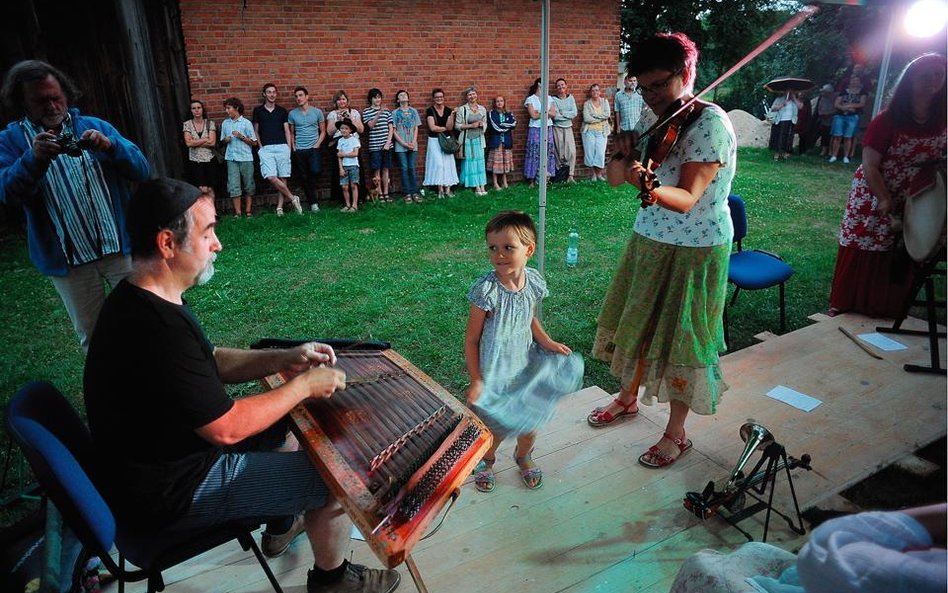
{"type": "Point", "coordinates": [400, 273]}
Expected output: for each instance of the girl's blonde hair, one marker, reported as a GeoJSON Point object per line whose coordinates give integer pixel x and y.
{"type": "Point", "coordinates": [505, 102]}
{"type": "Point", "coordinates": [517, 220]}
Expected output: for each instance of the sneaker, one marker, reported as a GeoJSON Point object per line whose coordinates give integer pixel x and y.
{"type": "Point", "coordinates": [846, 160]}
{"type": "Point", "coordinates": [314, 207]}
{"type": "Point", "coordinates": [832, 159]}
{"type": "Point", "coordinates": [295, 200]}
{"type": "Point", "coordinates": [279, 211]}
{"type": "Point", "coordinates": [357, 579]}
{"type": "Point", "coordinates": [275, 545]}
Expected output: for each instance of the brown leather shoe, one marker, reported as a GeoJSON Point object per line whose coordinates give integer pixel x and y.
{"type": "Point", "coordinates": [357, 579]}
{"type": "Point", "coordinates": [275, 545]}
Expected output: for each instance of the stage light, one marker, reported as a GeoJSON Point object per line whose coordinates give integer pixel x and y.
{"type": "Point", "coordinates": [926, 18]}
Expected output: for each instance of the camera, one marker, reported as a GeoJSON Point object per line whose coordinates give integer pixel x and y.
{"type": "Point", "coordinates": [70, 145]}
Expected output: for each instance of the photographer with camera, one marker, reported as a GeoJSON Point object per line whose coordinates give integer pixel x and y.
{"type": "Point", "coordinates": [70, 174]}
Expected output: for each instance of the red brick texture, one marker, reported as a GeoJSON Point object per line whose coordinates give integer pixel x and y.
{"type": "Point", "coordinates": [233, 48]}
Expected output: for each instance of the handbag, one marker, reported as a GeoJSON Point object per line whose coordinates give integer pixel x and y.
{"type": "Point", "coordinates": [448, 143]}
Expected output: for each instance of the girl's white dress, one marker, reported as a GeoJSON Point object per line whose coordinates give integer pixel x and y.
{"type": "Point", "coordinates": [522, 381]}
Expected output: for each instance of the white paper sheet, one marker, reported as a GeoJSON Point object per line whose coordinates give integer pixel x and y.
{"type": "Point", "coordinates": [882, 342]}
{"type": "Point", "coordinates": [794, 398]}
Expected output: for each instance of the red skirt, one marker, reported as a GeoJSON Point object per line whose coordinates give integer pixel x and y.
{"type": "Point", "coordinates": [863, 283]}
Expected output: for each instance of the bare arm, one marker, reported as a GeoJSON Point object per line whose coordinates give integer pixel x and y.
{"type": "Point", "coordinates": [692, 183]}
{"type": "Point", "coordinates": [472, 352]}
{"type": "Point", "coordinates": [254, 414]}
{"type": "Point", "coordinates": [872, 169]}
{"type": "Point", "coordinates": [322, 134]}
{"type": "Point", "coordinates": [237, 366]}
{"type": "Point", "coordinates": [545, 341]}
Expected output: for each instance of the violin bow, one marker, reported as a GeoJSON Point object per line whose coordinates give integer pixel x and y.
{"type": "Point", "coordinates": [788, 26]}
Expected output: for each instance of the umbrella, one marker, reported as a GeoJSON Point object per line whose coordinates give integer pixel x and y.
{"type": "Point", "coordinates": [787, 83]}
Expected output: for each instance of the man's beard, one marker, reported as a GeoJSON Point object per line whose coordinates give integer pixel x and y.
{"type": "Point", "coordinates": [208, 272]}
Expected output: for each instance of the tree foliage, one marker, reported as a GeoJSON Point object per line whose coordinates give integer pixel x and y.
{"type": "Point", "coordinates": [822, 48]}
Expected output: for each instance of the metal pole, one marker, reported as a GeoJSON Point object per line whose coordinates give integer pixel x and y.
{"type": "Point", "coordinates": [886, 58]}
{"type": "Point", "coordinates": [544, 136]}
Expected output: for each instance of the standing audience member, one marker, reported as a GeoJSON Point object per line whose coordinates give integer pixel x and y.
{"type": "Point", "coordinates": [471, 119]}
{"type": "Point", "coordinates": [200, 136]}
{"type": "Point", "coordinates": [379, 121]}
{"type": "Point", "coordinates": [904, 146]}
{"type": "Point", "coordinates": [238, 136]}
{"type": "Point", "coordinates": [823, 117]}
{"type": "Point", "coordinates": [348, 154]}
{"type": "Point", "coordinates": [804, 123]}
{"type": "Point", "coordinates": [271, 124]}
{"type": "Point", "coordinates": [661, 323]}
{"type": "Point", "coordinates": [531, 159]}
{"type": "Point", "coordinates": [500, 142]}
{"type": "Point", "coordinates": [596, 117]}
{"type": "Point", "coordinates": [183, 454]}
{"type": "Point", "coordinates": [69, 172]}
{"type": "Point", "coordinates": [341, 111]}
{"type": "Point", "coordinates": [629, 105]}
{"type": "Point", "coordinates": [849, 104]}
{"type": "Point", "coordinates": [440, 169]}
{"type": "Point", "coordinates": [406, 122]}
{"type": "Point", "coordinates": [566, 112]}
{"type": "Point", "coordinates": [784, 112]}
{"type": "Point", "coordinates": [307, 133]}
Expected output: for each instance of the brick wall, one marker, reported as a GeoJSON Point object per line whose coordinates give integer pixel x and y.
{"type": "Point", "coordinates": [233, 48]}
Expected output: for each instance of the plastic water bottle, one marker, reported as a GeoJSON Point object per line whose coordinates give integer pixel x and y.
{"type": "Point", "coordinates": [572, 248]}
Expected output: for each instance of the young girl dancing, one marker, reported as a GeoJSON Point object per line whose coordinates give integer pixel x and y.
{"type": "Point", "coordinates": [517, 371]}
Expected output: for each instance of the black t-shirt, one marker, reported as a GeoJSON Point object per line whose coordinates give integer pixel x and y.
{"type": "Point", "coordinates": [439, 120]}
{"type": "Point", "coordinates": [150, 381]}
{"type": "Point", "coordinates": [270, 124]}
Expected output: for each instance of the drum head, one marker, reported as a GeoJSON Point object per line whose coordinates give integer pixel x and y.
{"type": "Point", "coordinates": [924, 221]}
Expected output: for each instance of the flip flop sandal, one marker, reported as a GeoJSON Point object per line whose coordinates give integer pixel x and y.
{"type": "Point", "coordinates": [532, 476]}
{"type": "Point", "coordinates": [602, 417]}
{"type": "Point", "coordinates": [484, 480]}
{"type": "Point", "coordinates": [655, 458]}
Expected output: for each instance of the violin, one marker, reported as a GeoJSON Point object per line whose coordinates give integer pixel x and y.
{"type": "Point", "coordinates": [661, 143]}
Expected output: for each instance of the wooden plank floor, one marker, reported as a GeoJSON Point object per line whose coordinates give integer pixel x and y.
{"type": "Point", "coordinates": [603, 523]}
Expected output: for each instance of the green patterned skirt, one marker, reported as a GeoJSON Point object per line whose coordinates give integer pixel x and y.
{"type": "Point", "coordinates": [664, 310]}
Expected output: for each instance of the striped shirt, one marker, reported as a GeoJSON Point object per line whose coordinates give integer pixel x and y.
{"type": "Point", "coordinates": [379, 134]}
{"type": "Point", "coordinates": [79, 204]}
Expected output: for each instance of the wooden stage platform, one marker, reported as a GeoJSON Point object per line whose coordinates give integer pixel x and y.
{"type": "Point", "coordinates": [602, 523]}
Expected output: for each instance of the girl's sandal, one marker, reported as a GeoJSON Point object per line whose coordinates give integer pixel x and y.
{"type": "Point", "coordinates": [484, 476]}
{"type": "Point", "coordinates": [655, 458]}
{"type": "Point", "coordinates": [603, 417]}
{"type": "Point", "coordinates": [531, 475]}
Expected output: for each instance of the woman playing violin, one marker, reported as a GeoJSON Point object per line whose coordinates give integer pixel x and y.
{"type": "Point", "coordinates": [661, 323]}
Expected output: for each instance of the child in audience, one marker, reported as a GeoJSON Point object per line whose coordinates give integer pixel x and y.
{"type": "Point", "coordinates": [348, 153]}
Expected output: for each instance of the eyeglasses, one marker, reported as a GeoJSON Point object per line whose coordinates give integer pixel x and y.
{"type": "Point", "coordinates": [642, 89]}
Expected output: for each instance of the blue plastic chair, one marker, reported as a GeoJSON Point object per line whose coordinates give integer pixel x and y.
{"type": "Point", "coordinates": [753, 269]}
{"type": "Point", "coordinates": [59, 448]}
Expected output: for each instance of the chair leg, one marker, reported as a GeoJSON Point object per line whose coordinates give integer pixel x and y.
{"type": "Point", "coordinates": [734, 296]}
{"type": "Point", "coordinates": [783, 311]}
{"type": "Point", "coordinates": [121, 577]}
{"type": "Point", "coordinates": [727, 330]}
{"type": "Point", "coordinates": [246, 540]}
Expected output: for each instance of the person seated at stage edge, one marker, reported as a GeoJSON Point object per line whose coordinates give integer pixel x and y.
{"type": "Point", "coordinates": [871, 552]}
{"type": "Point", "coordinates": [183, 454]}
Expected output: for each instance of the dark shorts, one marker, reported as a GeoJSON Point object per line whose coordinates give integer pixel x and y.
{"type": "Point", "coordinates": [380, 159]}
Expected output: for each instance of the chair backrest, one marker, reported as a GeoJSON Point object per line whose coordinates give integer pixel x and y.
{"type": "Point", "coordinates": [59, 448]}
{"type": "Point", "coordinates": [738, 217]}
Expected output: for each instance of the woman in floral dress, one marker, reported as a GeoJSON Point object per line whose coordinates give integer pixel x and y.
{"type": "Point", "coordinates": [902, 148]}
